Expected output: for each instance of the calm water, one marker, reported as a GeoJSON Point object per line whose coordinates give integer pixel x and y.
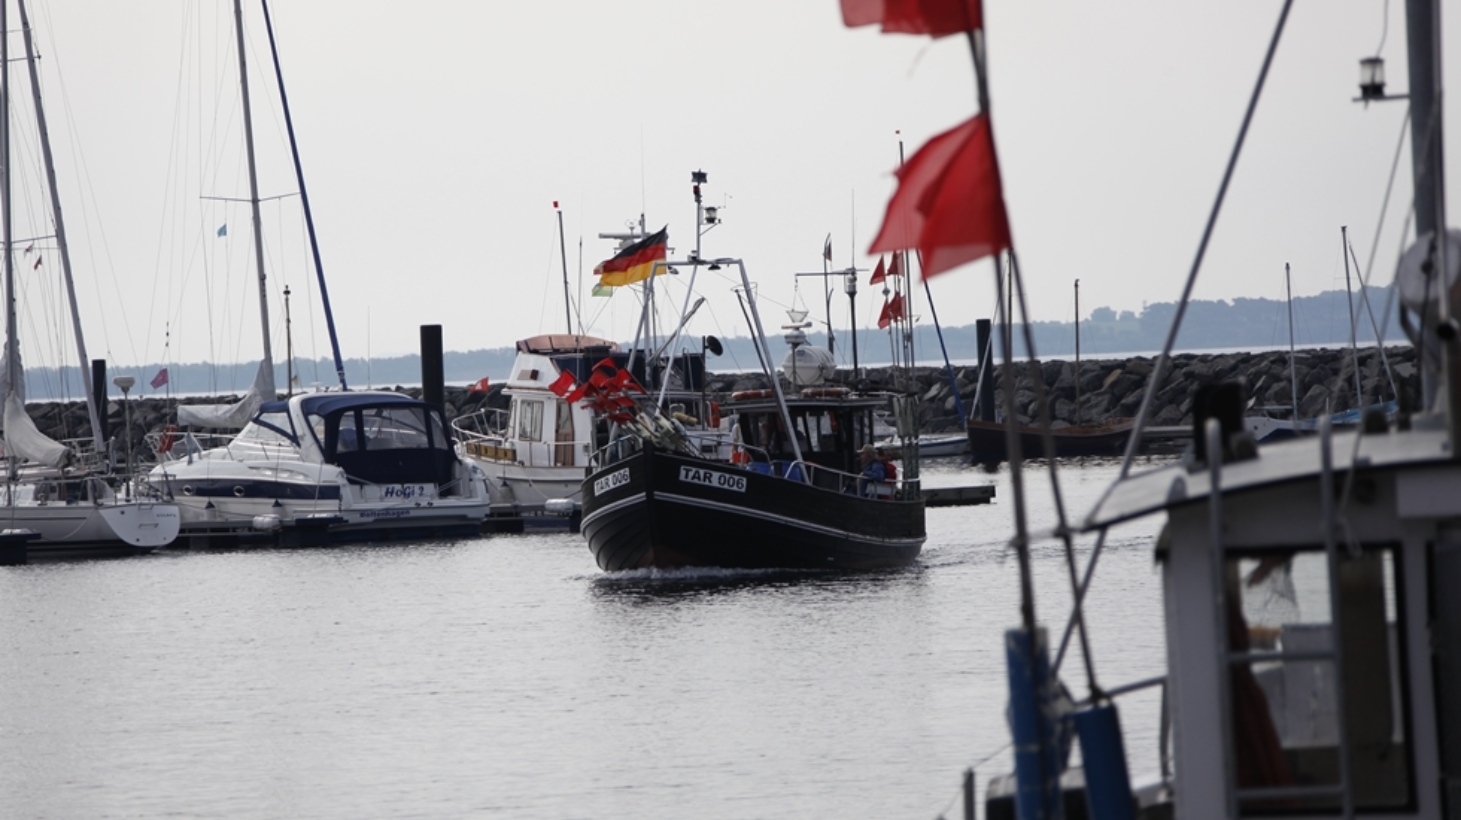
{"type": "Point", "coordinates": [506, 676]}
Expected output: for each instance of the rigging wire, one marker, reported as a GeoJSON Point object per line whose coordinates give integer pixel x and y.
{"type": "Point", "coordinates": [1154, 381]}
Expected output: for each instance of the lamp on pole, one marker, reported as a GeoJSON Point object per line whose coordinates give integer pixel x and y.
{"type": "Point", "coordinates": [125, 383]}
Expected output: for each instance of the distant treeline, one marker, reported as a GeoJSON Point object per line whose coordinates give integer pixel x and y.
{"type": "Point", "coordinates": [1241, 324]}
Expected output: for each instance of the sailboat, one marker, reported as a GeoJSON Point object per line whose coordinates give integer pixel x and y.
{"type": "Point", "coordinates": [321, 467]}
{"type": "Point", "coordinates": [988, 441]}
{"type": "Point", "coordinates": [66, 498]}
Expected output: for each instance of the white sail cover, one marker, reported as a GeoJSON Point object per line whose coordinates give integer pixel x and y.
{"type": "Point", "coordinates": [25, 441]}
{"type": "Point", "coordinates": [232, 416]}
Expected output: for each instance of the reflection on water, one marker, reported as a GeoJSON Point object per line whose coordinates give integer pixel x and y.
{"type": "Point", "coordinates": [506, 676]}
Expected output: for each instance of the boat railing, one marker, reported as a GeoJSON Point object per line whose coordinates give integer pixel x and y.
{"type": "Point", "coordinates": [175, 445]}
{"type": "Point", "coordinates": [486, 423]}
{"type": "Point", "coordinates": [485, 435]}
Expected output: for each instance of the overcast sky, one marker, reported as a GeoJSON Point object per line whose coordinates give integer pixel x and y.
{"type": "Point", "coordinates": [435, 137]}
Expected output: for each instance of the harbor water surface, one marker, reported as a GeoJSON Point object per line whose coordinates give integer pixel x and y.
{"type": "Point", "coordinates": [505, 676]}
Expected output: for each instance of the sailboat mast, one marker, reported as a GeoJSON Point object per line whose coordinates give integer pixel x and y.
{"type": "Point", "coordinates": [12, 348]}
{"type": "Point", "coordinates": [1354, 350]}
{"type": "Point", "coordinates": [1077, 351]}
{"type": "Point", "coordinates": [243, 74]}
{"type": "Point", "coordinates": [35, 87]}
{"type": "Point", "coordinates": [563, 255]}
{"type": "Point", "coordinates": [1293, 371]}
{"type": "Point", "coordinates": [309, 219]}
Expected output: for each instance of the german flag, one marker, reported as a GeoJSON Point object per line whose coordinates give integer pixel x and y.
{"type": "Point", "coordinates": [634, 263]}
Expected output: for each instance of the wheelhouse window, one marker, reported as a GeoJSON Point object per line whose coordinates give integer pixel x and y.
{"type": "Point", "coordinates": [530, 420]}
{"type": "Point", "coordinates": [1285, 675]}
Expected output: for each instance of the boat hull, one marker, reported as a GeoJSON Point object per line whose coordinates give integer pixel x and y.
{"type": "Point", "coordinates": [84, 529]}
{"type": "Point", "coordinates": [656, 509]}
{"type": "Point", "coordinates": [988, 443]}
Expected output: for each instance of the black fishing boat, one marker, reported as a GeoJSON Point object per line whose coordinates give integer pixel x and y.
{"type": "Point", "coordinates": [651, 503]}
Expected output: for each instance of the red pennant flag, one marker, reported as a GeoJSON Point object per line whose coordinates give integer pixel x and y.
{"type": "Point", "coordinates": [885, 318]}
{"type": "Point", "coordinates": [479, 386]}
{"type": "Point", "coordinates": [38, 262]}
{"type": "Point", "coordinates": [562, 384]}
{"type": "Point", "coordinates": [578, 393]}
{"type": "Point", "coordinates": [949, 203]}
{"type": "Point", "coordinates": [895, 307]}
{"type": "Point", "coordinates": [896, 269]}
{"type": "Point", "coordinates": [160, 379]}
{"type": "Point", "coordinates": [879, 274]}
{"type": "Point", "coordinates": [933, 17]}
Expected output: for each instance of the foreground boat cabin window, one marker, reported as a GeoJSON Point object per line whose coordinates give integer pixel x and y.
{"type": "Point", "coordinates": [1285, 707]}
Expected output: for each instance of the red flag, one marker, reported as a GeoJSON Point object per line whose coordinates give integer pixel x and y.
{"type": "Point", "coordinates": [562, 384]}
{"type": "Point", "coordinates": [479, 386]}
{"type": "Point", "coordinates": [38, 262]}
{"type": "Point", "coordinates": [933, 17]}
{"type": "Point", "coordinates": [892, 311]}
{"type": "Point", "coordinates": [160, 379]}
{"type": "Point", "coordinates": [896, 269]}
{"type": "Point", "coordinates": [878, 273]}
{"type": "Point", "coordinates": [949, 204]}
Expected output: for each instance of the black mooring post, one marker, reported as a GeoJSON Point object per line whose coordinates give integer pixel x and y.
{"type": "Point", "coordinates": [982, 334]}
{"type": "Point", "coordinates": [99, 395]}
{"type": "Point", "coordinates": [433, 374]}
{"type": "Point", "coordinates": [968, 794]}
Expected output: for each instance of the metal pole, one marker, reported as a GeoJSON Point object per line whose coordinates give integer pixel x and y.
{"type": "Point", "coordinates": [1293, 369]}
{"type": "Point", "coordinates": [243, 75]}
{"type": "Point", "coordinates": [309, 219]}
{"type": "Point", "coordinates": [1077, 351]}
{"type": "Point", "coordinates": [61, 243]}
{"type": "Point", "coordinates": [563, 255]}
{"type": "Point", "coordinates": [1354, 350]}
{"type": "Point", "coordinates": [288, 347]}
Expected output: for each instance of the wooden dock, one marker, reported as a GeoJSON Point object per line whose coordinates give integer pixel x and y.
{"type": "Point", "coordinates": [957, 496]}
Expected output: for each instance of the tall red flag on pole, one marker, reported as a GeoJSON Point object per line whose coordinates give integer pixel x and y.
{"type": "Point", "coordinates": [949, 203]}
{"type": "Point", "coordinates": [879, 274]}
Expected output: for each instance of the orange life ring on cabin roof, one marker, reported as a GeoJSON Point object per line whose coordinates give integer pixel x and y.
{"type": "Point", "coordinates": [743, 395]}
{"type": "Point", "coordinates": [825, 393]}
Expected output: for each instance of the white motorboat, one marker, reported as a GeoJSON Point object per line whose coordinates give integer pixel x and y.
{"type": "Point", "coordinates": [327, 467]}
{"type": "Point", "coordinates": [535, 452]}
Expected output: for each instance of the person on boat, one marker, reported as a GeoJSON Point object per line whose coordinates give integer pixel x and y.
{"type": "Point", "coordinates": [873, 472]}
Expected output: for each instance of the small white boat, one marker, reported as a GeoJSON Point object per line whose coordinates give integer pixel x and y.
{"type": "Point", "coordinates": [325, 467]}
{"type": "Point", "coordinates": [534, 452]}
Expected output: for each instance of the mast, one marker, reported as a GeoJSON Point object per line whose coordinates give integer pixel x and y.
{"type": "Point", "coordinates": [1293, 371]}
{"type": "Point", "coordinates": [1077, 351]}
{"type": "Point", "coordinates": [12, 347]}
{"type": "Point", "coordinates": [35, 86]}
{"type": "Point", "coordinates": [1354, 349]}
{"type": "Point", "coordinates": [563, 255]}
{"type": "Point", "coordinates": [267, 366]}
{"type": "Point", "coordinates": [309, 219]}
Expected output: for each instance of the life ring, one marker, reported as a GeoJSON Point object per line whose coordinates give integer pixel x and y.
{"type": "Point", "coordinates": [825, 393]}
{"type": "Point", "coordinates": [744, 395]}
{"type": "Point", "coordinates": [169, 436]}
{"type": "Point", "coordinates": [715, 414]}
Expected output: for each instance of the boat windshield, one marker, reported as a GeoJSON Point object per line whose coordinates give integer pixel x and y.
{"type": "Point", "coordinates": [385, 444]}
{"type": "Point", "coordinates": [269, 428]}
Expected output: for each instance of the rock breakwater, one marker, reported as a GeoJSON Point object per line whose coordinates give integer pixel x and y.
{"type": "Point", "coordinates": [1108, 389]}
